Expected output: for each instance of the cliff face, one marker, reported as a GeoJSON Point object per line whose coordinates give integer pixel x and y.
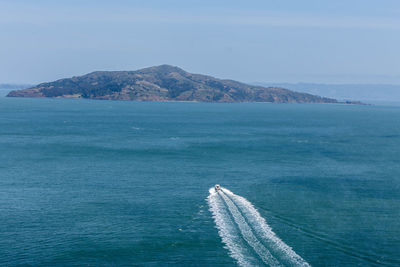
{"type": "Point", "coordinates": [163, 83]}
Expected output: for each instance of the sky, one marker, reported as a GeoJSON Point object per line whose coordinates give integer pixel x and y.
{"type": "Point", "coordinates": [319, 41]}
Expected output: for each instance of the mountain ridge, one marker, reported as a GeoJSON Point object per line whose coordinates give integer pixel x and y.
{"type": "Point", "coordinates": [164, 83]}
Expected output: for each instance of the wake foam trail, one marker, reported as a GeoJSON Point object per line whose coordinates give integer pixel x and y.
{"type": "Point", "coordinates": [228, 232]}
{"type": "Point", "coordinates": [282, 251]}
{"type": "Point", "coordinates": [251, 228]}
{"type": "Point", "coordinates": [248, 234]}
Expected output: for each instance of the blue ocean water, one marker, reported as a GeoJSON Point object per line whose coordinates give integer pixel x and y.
{"type": "Point", "coordinates": [113, 183]}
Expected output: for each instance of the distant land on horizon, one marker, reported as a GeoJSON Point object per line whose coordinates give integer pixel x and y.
{"type": "Point", "coordinates": [14, 86]}
{"type": "Point", "coordinates": [165, 83]}
{"type": "Point", "coordinates": [360, 92]}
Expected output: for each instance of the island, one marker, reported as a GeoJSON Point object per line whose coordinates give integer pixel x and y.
{"type": "Point", "coordinates": [164, 83]}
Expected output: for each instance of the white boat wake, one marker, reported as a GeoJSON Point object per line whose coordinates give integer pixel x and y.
{"type": "Point", "coordinates": [247, 236]}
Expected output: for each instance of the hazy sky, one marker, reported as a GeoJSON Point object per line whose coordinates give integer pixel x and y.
{"type": "Point", "coordinates": [331, 41]}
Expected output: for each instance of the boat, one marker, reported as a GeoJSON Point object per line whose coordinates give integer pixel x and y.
{"type": "Point", "coordinates": [217, 187]}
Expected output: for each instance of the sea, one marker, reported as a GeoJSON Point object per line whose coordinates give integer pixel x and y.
{"type": "Point", "coordinates": [126, 183]}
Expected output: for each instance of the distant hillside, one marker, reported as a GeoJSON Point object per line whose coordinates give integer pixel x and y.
{"type": "Point", "coordinates": [362, 92]}
{"type": "Point", "coordinates": [164, 83]}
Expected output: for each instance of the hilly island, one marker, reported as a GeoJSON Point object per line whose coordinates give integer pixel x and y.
{"type": "Point", "coordinates": [164, 83]}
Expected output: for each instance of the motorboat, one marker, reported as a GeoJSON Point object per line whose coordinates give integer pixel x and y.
{"type": "Point", "coordinates": [217, 187]}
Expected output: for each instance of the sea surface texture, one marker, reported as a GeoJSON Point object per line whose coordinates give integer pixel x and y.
{"type": "Point", "coordinates": [113, 183]}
